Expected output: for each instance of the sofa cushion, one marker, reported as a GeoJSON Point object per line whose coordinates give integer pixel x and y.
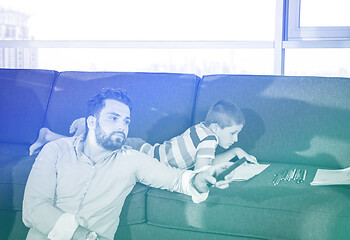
{"type": "Point", "coordinates": [258, 209]}
{"type": "Point", "coordinates": [301, 120]}
{"type": "Point", "coordinates": [14, 171]}
{"type": "Point", "coordinates": [162, 103]}
{"type": "Point", "coordinates": [15, 167]}
{"type": "Point", "coordinates": [134, 209]}
{"type": "Point", "coordinates": [151, 232]}
{"type": "Point", "coordinates": [24, 95]}
{"type": "Point", "coordinates": [12, 227]}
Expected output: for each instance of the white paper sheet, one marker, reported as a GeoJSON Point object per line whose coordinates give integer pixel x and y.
{"type": "Point", "coordinates": [246, 171]}
{"type": "Point", "coordinates": [332, 177]}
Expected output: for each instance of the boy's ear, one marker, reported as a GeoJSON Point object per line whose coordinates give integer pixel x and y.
{"type": "Point", "coordinates": [214, 127]}
{"type": "Point", "coordinates": [91, 122]}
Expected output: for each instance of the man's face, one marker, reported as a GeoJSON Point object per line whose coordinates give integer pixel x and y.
{"type": "Point", "coordinates": [228, 135]}
{"type": "Point", "coordinates": [112, 125]}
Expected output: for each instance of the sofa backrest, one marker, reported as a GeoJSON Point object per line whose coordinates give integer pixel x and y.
{"type": "Point", "coordinates": [24, 96]}
{"type": "Point", "coordinates": [303, 120]}
{"type": "Point", "coordinates": [162, 102]}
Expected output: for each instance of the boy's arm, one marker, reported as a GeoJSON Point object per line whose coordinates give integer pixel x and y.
{"type": "Point", "coordinates": [205, 152]}
{"type": "Point", "coordinates": [228, 155]}
{"type": "Point", "coordinates": [201, 162]}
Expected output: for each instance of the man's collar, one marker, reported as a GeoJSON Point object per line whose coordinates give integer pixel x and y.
{"type": "Point", "coordinates": [79, 147]}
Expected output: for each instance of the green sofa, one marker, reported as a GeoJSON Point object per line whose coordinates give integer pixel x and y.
{"type": "Point", "coordinates": [291, 123]}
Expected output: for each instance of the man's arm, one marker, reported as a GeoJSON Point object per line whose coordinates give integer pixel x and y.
{"type": "Point", "coordinates": [204, 179]}
{"type": "Point", "coordinates": [151, 172]}
{"type": "Point", "coordinates": [39, 211]}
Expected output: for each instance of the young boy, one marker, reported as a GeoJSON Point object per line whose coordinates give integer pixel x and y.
{"type": "Point", "coordinates": [195, 148]}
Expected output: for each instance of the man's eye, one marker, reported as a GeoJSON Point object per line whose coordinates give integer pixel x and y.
{"type": "Point", "coordinates": [127, 122]}
{"type": "Point", "coordinates": [113, 118]}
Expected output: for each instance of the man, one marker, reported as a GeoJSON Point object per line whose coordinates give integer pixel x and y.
{"type": "Point", "coordinates": [77, 186]}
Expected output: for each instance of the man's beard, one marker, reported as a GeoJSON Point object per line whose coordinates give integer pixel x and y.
{"type": "Point", "coordinates": [106, 141]}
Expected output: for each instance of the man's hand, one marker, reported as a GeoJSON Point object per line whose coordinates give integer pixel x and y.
{"type": "Point", "coordinates": [81, 234]}
{"type": "Point", "coordinates": [203, 180]}
{"type": "Point", "coordinates": [242, 154]}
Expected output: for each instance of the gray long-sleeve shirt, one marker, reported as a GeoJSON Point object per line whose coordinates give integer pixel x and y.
{"type": "Point", "coordinates": [64, 180]}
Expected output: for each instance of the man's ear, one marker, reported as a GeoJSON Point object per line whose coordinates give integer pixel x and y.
{"type": "Point", "coordinates": [91, 122]}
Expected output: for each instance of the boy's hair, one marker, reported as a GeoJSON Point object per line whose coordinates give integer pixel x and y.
{"type": "Point", "coordinates": [97, 103]}
{"type": "Point", "coordinates": [224, 113]}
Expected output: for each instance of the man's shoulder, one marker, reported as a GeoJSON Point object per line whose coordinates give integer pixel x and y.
{"type": "Point", "coordinates": [135, 153]}
{"type": "Point", "coordinates": [133, 156]}
{"type": "Point", "coordinates": [65, 142]}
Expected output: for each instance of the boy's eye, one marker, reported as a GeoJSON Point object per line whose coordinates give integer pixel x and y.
{"type": "Point", "coordinates": [127, 122]}
{"type": "Point", "coordinates": [113, 118]}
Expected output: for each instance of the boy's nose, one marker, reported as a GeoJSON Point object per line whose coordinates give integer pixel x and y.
{"type": "Point", "coordinates": [235, 139]}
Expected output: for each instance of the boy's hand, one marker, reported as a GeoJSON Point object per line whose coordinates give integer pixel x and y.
{"type": "Point", "coordinates": [242, 154]}
{"type": "Point", "coordinates": [77, 127]}
{"type": "Point", "coordinates": [203, 180]}
{"type": "Point", "coordinates": [228, 179]}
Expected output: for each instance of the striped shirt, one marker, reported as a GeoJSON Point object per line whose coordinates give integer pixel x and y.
{"type": "Point", "coordinates": [182, 151]}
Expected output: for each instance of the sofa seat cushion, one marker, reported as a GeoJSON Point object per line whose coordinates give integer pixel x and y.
{"type": "Point", "coordinates": [15, 168]}
{"type": "Point", "coordinates": [256, 208]}
{"type": "Point", "coordinates": [134, 209]}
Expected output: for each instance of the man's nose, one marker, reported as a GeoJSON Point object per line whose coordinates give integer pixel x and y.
{"type": "Point", "coordinates": [120, 126]}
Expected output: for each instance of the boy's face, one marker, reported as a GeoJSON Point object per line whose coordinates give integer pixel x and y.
{"type": "Point", "coordinates": [228, 135]}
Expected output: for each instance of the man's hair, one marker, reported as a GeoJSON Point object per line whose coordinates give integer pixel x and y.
{"type": "Point", "coordinates": [97, 103]}
{"type": "Point", "coordinates": [224, 113]}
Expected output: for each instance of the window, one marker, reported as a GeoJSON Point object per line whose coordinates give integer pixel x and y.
{"type": "Point", "coordinates": [147, 20]}
{"type": "Point", "coordinates": [317, 39]}
{"type": "Point", "coordinates": [197, 61]}
{"type": "Point", "coordinates": [197, 36]}
{"type": "Point", "coordinates": [324, 13]}
{"type": "Point", "coordinates": [318, 19]}
{"type": "Point", "coordinates": [318, 62]}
